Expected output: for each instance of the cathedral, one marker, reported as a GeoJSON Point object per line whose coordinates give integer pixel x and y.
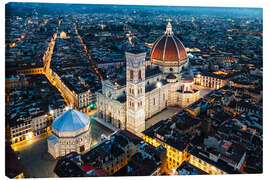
{"type": "Point", "coordinates": [126, 103]}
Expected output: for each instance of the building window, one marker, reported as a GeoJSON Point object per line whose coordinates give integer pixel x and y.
{"type": "Point", "coordinates": [140, 74]}
{"type": "Point", "coordinates": [154, 101]}
{"type": "Point", "coordinates": [131, 74]}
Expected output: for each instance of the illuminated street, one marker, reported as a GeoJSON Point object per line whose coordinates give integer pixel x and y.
{"type": "Point", "coordinates": [94, 90]}
{"type": "Point", "coordinates": [86, 51]}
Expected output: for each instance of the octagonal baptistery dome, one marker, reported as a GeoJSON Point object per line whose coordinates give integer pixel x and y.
{"type": "Point", "coordinates": [70, 133]}
{"type": "Point", "coordinates": [168, 52]}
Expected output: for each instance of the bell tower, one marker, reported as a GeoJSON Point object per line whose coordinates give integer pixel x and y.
{"type": "Point", "coordinates": [135, 73]}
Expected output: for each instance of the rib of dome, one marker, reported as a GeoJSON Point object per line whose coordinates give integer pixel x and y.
{"type": "Point", "coordinates": [168, 48]}
{"type": "Point", "coordinates": [71, 120]}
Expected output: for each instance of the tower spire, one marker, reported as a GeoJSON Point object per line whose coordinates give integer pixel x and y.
{"type": "Point", "coordinates": [169, 28]}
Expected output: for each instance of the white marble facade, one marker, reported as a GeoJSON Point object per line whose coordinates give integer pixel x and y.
{"type": "Point", "coordinates": [160, 91]}
{"type": "Point", "coordinates": [145, 92]}
{"type": "Point", "coordinates": [70, 133]}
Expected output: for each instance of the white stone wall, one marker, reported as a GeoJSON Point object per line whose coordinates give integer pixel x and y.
{"type": "Point", "coordinates": [111, 111]}
{"type": "Point", "coordinates": [139, 105]}
{"type": "Point", "coordinates": [153, 79]}
{"type": "Point", "coordinates": [135, 69]}
{"type": "Point", "coordinates": [39, 122]}
{"type": "Point", "coordinates": [70, 142]}
{"type": "Point", "coordinates": [188, 98]}
{"type": "Point", "coordinates": [19, 132]}
{"type": "Point", "coordinates": [156, 100]}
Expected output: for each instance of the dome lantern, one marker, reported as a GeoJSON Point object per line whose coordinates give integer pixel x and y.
{"type": "Point", "coordinates": [169, 28]}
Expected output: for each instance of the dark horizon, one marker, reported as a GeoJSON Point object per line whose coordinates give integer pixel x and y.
{"type": "Point", "coordinates": [185, 10]}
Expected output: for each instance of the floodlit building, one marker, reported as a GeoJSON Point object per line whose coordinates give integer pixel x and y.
{"type": "Point", "coordinates": [63, 35]}
{"type": "Point", "coordinates": [127, 102]}
{"type": "Point", "coordinates": [70, 133]}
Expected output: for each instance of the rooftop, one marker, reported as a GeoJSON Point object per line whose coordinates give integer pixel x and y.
{"type": "Point", "coordinates": [71, 120]}
{"type": "Point", "coordinates": [188, 169]}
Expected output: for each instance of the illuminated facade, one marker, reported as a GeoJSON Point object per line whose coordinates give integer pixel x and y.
{"type": "Point", "coordinates": [22, 131]}
{"type": "Point", "coordinates": [147, 91]}
{"type": "Point", "coordinates": [31, 71]}
{"type": "Point", "coordinates": [70, 133]}
{"type": "Point", "coordinates": [114, 153]}
{"type": "Point", "coordinates": [209, 81]}
{"type": "Point", "coordinates": [175, 157]}
{"type": "Point", "coordinates": [209, 162]}
{"type": "Point", "coordinates": [205, 166]}
{"type": "Point", "coordinates": [80, 101]}
{"type": "Point", "coordinates": [41, 124]}
{"type": "Point", "coordinates": [33, 125]}
{"type": "Point", "coordinates": [19, 81]}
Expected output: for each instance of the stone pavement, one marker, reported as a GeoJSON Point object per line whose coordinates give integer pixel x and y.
{"type": "Point", "coordinates": [166, 113]}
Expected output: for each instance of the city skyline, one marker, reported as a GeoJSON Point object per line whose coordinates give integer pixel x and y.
{"type": "Point", "coordinates": [125, 73]}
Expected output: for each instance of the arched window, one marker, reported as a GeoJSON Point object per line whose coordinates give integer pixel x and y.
{"type": "Point", "coordinates": [131, 74]}
{"type": "Point", "coordinates": [140, 74]}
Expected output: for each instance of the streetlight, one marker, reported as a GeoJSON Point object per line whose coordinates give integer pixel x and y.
{"type": "Point", "coordinates": [51, 112]}
{"type": "Point", "coordinates": [173, 171]}
{"type": "Point", "coordinates": [92, 105]}
{"type": "Point", "coordinates": [158, 84]}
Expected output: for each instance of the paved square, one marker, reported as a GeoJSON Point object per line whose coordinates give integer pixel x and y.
{"type": "Point", "coordinates": [166, 113]}
{"type": "Point", "coordinates": [36, 160]}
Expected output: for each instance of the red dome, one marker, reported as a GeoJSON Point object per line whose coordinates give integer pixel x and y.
{"type": "Point", "coordinates": [168, 48]}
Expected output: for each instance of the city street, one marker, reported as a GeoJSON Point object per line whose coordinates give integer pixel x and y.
{"type": "Point", "coordinates": [89, 78]}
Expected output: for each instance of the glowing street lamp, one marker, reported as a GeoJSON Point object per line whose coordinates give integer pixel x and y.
{"type": "Point", "coordinates": [92, 105]}
{"type": "Point", "coordinates": [158, 84]}
{"type": "Point", "coordinates": [173, 171]}
{"type": "Point", "coordinates": [66, 108]}
{"type": "Point", "coordinates": [51, 112]}
{"type": "Point", "coordinates": [29, 135]}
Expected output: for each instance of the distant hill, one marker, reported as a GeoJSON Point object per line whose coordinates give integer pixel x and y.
{"type": "Point", "coordinates": [27, 9]}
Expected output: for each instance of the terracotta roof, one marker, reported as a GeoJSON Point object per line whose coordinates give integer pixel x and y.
{"type": "Point", "coordinates": [87, 167]}
{"type": "Point", "coordinates": [168, 48]}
